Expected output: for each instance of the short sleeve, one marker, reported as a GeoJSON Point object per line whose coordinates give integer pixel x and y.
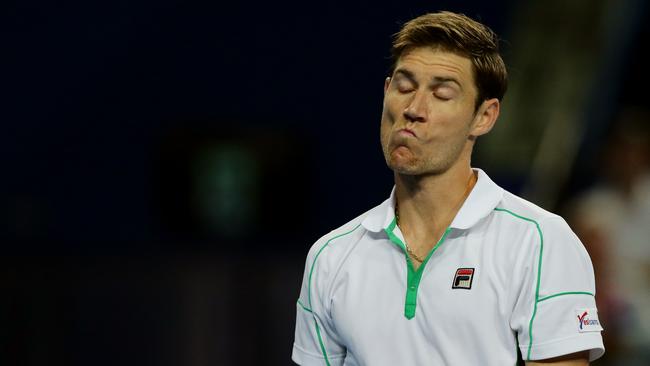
{"type": "Point", "coordinates": [316, 342]}
{"type": "Point", "coordinates": [556, 313]}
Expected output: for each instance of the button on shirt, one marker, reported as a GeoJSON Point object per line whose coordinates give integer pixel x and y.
{"type": "Point", "coordinates": [506, 273]}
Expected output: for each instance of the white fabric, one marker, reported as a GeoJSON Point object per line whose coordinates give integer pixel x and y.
{"type": "Point", "coordinates": [355, 285]}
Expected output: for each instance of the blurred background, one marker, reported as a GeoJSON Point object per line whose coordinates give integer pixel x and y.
{"type": "Point", "coordinates": [166, 165]}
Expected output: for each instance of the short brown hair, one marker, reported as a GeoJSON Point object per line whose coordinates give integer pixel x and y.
{"type": "Point", "coordinates": [462, 35]}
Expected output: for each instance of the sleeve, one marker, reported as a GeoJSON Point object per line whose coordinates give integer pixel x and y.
{"type": "Point", "coordinates": [316, 341]}
{"type": "Point", "coordinates": [555, 313]}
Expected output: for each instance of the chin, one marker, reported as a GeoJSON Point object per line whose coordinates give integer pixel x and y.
{"type": "Point", "coordinates": [415, 169]}
{"type": "Point", "coordinates": [405, 168]}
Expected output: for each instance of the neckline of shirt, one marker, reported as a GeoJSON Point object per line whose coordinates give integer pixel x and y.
{"type": "Point", "coordinates": [482, 199]}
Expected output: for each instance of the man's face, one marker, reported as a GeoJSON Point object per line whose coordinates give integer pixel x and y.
{"type": "Point", "coordinates": [429, 111]}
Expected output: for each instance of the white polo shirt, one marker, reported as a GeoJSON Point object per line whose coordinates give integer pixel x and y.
{"type": "Point", "coordinates": [505, 272]}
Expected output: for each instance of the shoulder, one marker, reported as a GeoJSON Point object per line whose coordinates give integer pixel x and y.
{"type": "Point", "coordinates": [328, 254]}
{"type": "Point", "coordinates": [549, 229]}
{"type": "Point", "coordinates": [524, 210]}
{"type": "Point", "coordinates": [542, 242]}
{"type": "Point", "coordinates": [340, 237]}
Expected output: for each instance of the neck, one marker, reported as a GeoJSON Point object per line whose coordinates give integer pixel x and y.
{"type": "Point", "coordinates": [433, 199]}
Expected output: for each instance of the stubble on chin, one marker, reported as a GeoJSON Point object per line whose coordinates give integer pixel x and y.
{"type": "Point", "coordinates": [403, 162]}
{"type": "Point", "coordinates": [399, 156]}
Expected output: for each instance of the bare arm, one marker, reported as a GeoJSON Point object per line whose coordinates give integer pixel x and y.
{"type": "Point", "coordinates": [574, 359]}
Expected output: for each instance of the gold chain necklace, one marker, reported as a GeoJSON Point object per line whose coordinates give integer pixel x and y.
{"type": "Point", "coordinates": [408, 249]}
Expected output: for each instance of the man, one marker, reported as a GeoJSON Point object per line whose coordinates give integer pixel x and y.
{"type": "Point", "coordinates": [450, 269]}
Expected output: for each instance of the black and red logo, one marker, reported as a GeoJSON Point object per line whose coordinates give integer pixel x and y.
{"type": "Point", "coordinates": [463, 278]}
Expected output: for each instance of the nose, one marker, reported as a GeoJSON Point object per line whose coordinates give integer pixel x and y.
{"type": "Point", "coordinates": [416, 110]}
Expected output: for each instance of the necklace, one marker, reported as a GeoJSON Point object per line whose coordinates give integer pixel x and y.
{"type": "Point", "coordinates": [408, 249]}
{"type": "Point", "coordinates": [462, 199]}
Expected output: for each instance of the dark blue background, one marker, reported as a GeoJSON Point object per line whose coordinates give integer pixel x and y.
{"type": "Point", "coordinates": [93, 90]}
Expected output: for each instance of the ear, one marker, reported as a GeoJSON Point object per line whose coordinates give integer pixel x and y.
{"type": "Point", "coordinates": [386, 84]}
{"type": "Point", "coordinates": [486, 117]}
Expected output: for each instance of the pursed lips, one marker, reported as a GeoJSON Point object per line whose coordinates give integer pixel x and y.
{"type": "Point", "coordinates": [404, 138]}
{"type": "Point", "coordinates": [406, 132]}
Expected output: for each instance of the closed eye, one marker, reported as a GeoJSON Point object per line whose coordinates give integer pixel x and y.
{"type": "Point", "coordinates": [404, 81]}
{"type": "Point", "coordinates": [444, 92]}
{"type": "Point", "coordinates": [405, 86]}
{"type": "Point", "coordinates": [442, 97]}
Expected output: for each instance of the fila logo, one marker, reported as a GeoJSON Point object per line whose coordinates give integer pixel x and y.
{"type": "Point", "coordinates": [463, 278]}
{"type": "Point", "coordinates": [588, 320]}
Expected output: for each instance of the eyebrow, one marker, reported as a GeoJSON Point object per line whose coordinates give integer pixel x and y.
{"type": "Point", "coordinates": [436, 79]}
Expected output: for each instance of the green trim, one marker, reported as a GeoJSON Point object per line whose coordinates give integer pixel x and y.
{"type": "Point", "coordinates": [303, 306]}
{"type": "Point", "coordinates": [413, 277]}
{"type": "Point", "coordinates": [320, 341]}
{"type": "Point", "coordinates": [566, 293]}
{"type": "Point", "coordinates": [539, 275]}
{"type": "Point", "coordinates": [311, 272]}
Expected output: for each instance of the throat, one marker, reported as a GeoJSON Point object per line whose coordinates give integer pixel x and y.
{"type": "Point", "coordinates": [422, 228]}
{"type": "Point", "coordinates": [418, 248]}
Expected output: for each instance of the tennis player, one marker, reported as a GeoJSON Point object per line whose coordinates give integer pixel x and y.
{"type": "Point", "coordinates": [450, 269]}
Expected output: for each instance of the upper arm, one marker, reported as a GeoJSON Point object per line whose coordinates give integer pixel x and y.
{"type": "Point", "coordinates": [315, 342]}
{"type": "Point", "coordinates": [555, 314]}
